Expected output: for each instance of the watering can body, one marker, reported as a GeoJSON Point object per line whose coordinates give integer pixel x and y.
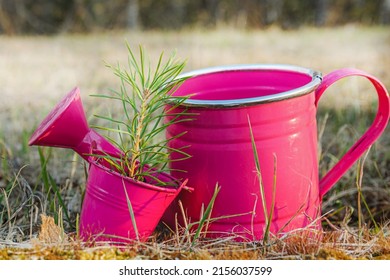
{"type": "Point", "coordinates": [254, 134]}
{"type": "Point", "coordinates": [120, 209]}
{"type": "Point", "coordinates": [115, 208]}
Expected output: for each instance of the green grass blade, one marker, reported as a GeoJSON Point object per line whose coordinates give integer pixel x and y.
{"type": "Point", "coordinates": [131, 212]}
{"type": "Point", "coordinates": [258, 172]}
{"type": "Point", "coordinates": [44, 175]}
{"type": "Point", "coordinates": [206, 215]}
{"type": "Point", "coordinates": [57, 193]}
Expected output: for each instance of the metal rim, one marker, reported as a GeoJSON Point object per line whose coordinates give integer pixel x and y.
{"type": "Point", "coordinates": [306, 89]}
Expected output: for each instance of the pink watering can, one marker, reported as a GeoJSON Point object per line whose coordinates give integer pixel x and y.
{"type": "Point", "coordinates": [115, 208]}
{"type": "Point", "coordinates": [274, 108]}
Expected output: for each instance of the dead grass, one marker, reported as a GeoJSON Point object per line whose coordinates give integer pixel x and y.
{"type": "Point", "coordinates": [35, 72]}
{"type": "Point", "coordinates": [338, 244]}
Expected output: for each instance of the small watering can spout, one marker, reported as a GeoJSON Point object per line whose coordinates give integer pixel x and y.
{"type": "Point", "coordinates": [67, 127]}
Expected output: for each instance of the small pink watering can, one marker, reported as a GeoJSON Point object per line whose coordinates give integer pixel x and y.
{"type": "Point", "coordinates": [274, 108]}
{"type": "Point", "coordinates": [115, 208]}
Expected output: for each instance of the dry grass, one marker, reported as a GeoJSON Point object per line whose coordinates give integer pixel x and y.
{"type": "Point", "coordinates": [35, 72]}
{"type": "Point", "coordinates": [341, 244]}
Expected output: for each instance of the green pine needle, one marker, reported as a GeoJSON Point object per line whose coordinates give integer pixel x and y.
{"type": "Point", "coordinates": [144, 94]}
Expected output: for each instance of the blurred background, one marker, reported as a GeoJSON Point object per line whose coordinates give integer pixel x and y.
{"type": "Point", "coordinates": [57, 16]}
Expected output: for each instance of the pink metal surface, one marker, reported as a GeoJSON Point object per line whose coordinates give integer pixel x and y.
{"type": "Point", "coordinates": [106, 214]}
{"type": "Point", "coordinates": [66, 127]}
{"type": "Point", "coordinates": [285, 133]}
{"type": "Point", "coordinates": [368, 138]}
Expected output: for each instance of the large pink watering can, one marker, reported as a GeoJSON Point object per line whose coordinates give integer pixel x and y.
{"type": "Point", "coordinates": [279, 102]}
{"type": "Point", "coordinates": [115, 208]}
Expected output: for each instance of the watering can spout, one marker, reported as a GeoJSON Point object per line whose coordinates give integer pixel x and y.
{"type": "Point", "coordinates": [66, 127]}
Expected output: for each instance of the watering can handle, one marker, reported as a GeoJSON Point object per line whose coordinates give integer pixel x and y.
{"type": "Point", "coordinates": [368, 138]}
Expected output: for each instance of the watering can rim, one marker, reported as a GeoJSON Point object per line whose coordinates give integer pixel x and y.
{"type": "Point", "coordinates": [146, 185]}
{"type": "Point", "coordinates": [240, 102]}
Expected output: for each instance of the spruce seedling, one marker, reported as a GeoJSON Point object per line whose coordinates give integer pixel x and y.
{"type": "Point", "coordinates": [143, 95]}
